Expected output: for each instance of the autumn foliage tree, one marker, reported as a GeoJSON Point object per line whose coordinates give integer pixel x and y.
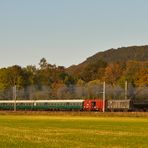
{"type": "Point", "coordinates": [141, 78]}
{"type": "Point", "coordinates": [112, 73]}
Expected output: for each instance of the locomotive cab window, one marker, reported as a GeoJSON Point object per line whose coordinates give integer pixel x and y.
{"type": "Point", "coordinates": [93, 104]}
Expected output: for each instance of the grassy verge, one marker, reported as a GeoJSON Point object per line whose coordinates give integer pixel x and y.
{"type": "Point", "coordinates": [72, 113]}
{"type": "Point", "coordinates": [72, 131]}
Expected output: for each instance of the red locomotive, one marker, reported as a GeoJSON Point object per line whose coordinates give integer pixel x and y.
{"type": "Point", "coordinates": [93, 105]}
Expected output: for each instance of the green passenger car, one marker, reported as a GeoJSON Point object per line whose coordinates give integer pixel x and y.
{"type": "Point", "coordinates": [41, 104]}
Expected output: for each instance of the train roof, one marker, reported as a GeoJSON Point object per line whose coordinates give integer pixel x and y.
{"type": "Point", "coordinates": [124, 100]}
{"type": "Point", "coordinates": [41, 101]}
{"type": "Point", "coordinates": [59, 101]}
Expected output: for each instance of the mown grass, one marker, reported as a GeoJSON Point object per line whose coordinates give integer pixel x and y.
{"type": "Point", "coordinates": [56, 130]}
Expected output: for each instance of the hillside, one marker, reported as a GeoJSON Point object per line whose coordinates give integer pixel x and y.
{"type": "Point", "coordinates": [123, 54]}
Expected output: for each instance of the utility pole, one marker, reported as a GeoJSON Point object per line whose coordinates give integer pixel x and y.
{"type": "Point", "coordinates": [14, 96]}
{"type": "Point", "coordinates": [126, 90]}
{"type": "Point", "coordinates": [104, 96]}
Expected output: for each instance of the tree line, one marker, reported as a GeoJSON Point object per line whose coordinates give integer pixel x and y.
{"type": "Point", "coordinates": [59, 80]}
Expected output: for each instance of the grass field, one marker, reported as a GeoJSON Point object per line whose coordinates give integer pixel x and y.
{"type": "Point", "coordinates": [72, 131]}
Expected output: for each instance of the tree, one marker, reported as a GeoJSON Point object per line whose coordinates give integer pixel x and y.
{"type": "Point", "coordinates": [112, 73]}
{"type": "Point", "coordinates": [3, 79]}
{"type": "Point", "coordinates": [30, 75]}
{"type": "Point", "coordinates": [94, 71]}
{"type": "Point", "coordinates": [69, 80]}
{"type": "Point", "coordinates": [132, 69]}
{"type": "Point", "coordinates": [141, 77]}
{"type": "Point", "coordinates": [43, 63]}
{"type": "Point", "coordinates": [80, 82]}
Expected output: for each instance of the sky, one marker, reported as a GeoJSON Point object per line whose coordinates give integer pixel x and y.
{"type": "Point", "coordinates": [66, 32]}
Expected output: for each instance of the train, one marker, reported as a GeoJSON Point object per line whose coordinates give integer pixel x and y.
{"type": "Point", "coordinates": [75, 105]}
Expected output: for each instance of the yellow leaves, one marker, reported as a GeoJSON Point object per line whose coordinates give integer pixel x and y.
{"type": "Point", "coordinates": [112, 73]}
{"type": "Point", "coordinates": [142, 77]}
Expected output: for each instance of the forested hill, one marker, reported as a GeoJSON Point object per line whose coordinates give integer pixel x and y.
{"type": "Point", "coordinates": [114, 66]}
{"type": "Point", "coordinates": [123, 54]}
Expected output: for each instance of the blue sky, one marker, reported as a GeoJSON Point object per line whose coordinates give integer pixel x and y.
{"type": "Point", "coordinates": [66, 32]}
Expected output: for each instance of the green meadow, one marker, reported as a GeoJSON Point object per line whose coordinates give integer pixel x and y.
{"type": "Point", "coordinates": [72, 131]}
